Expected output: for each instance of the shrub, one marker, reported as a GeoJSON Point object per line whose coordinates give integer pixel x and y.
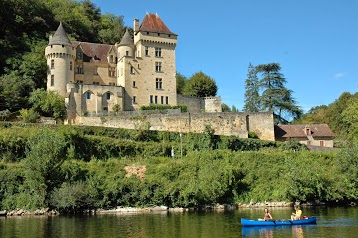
{"type": "Point", "coordinates": [29, 115]}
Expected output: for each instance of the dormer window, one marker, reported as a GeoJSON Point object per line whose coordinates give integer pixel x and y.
{"type": "Point", "coordinates": [111, 59]}
{"type": "Point", "coordinates": [308, 131]}
{"type": "Point", "coordinates": [79, 55]}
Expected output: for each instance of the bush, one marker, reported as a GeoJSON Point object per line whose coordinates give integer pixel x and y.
{"type": "Point", "coordinates": [29, 115]}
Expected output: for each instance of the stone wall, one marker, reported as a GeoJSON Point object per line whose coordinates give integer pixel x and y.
{"type": "Point", "coordinates": [238, 124]}
{"type": "Point", "coordinates": [197, 104]}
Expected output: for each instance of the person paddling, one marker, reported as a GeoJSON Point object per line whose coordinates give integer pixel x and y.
{"type": "Point", "coordinates": [298, 214]}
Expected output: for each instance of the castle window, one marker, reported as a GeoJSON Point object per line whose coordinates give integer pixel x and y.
{"type": "Point", "coordinates": [132, 70]}
{"type": "Point", "coordinates": [88, 95]}
{"type": "Point", "coordinates": [108, 95]}
{"type": "Point", "coordinates": [112, 72]}
{"type": "Point", "coordinates": [162, 99]}
{"type": "Point", "coordinates": [95, 70]}
{"type": "Point", "coordinates": [70, 65]}
{"type": "Point", "coordinates": [169, 35]}
{"type": "Point", "coordinates": [111, 58]}
{"type": "Point", "coordinates": [158, 66]}
{"type": "Point", "coordinates": [146, 51]}
{"type": "Point", "coordinates": [96, 83]}
{"type": "Point", "coordinates": [134, 99]}
{"type": "Point", "coordinates": [158, 34]}
{"type": "Point", "coordinates": [156, 99]}
{"type": "Point", "coordinates": [151, 99]}
{"type": "Point", "coordinates": [166, 100]}
{"type": "Point", "coordinates": [127, 53]}
{"type": "Point", "coordinates": [52, 64]}
{"type": "Point", "coordinates": [134, 85]}
{"type": "Point", "coordinates": [79, 55]}
{"type": "Point", "coordinates": [158, 83]}
{"type": "Point", "coordinates": [112, 84]}
{"type": "Point", "coordinates": [52, 80]}
{"type": "Point", "coordinates": [158, 52]}
{"type": "Point", "coordinates": [79, 69]}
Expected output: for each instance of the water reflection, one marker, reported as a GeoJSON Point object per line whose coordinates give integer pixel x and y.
{"type": "Point", "coordinates": [339, 222]}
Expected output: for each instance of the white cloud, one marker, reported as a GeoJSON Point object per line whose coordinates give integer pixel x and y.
{"type": "Point", "coordinates": [339, 75]}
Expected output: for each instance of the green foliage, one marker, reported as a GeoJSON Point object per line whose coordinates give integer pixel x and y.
{"type": "Point", "coordinates": [339, 115]}
{"type": "Point", "coordinates": [348, 161]}
{"type": "Point", "coordinates": [29, 115]}
{"type": "Point", "coordinates": [181, 80]}
{"type": "Point", "coordinates": [4, 115]}
{"type": "Point", "coordinates": [116, 108]}
{"type": "Point", "coordinates": [252, 87]}
{"type": "Point", "coordinates": [50, 103]}
{"type": "Point", "coordinates": [268, 93]}
{"type": "Point", "coordinates": [200, 85]}
{"type": "Point", "coordinates": [14, 90]}
{"type": "Point", "coordinates": [225, 108]}
{"type": "Point", "coordinates": [74, 197]}
{"type": "Point", "coordinates": [45, 153]}
{"type": "Point", "coordinates": [183, 108]}
{"type": "Point", "coordinates": [293, 144]}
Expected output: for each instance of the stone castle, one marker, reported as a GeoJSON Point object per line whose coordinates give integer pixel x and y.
{"type": "Point", "coordinates": [100, 79]}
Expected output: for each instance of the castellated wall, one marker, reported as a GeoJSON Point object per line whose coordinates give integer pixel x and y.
{"type": "Point", "coordinates": [224, 123]}
{"type": "Point", "coordinates": [197, 104]}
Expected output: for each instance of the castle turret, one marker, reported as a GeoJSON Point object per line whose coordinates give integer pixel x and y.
{"type": "Point", "coordinates": [60, 56]}
{"type": "Point", "coordinates": [125, 55]}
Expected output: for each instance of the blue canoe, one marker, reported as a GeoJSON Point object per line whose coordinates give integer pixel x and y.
{"type": "Point", "coordinates": [248, 222]}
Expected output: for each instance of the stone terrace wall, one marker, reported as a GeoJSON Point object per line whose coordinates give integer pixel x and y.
{"type": "Point", "coordinates": [224, 123]}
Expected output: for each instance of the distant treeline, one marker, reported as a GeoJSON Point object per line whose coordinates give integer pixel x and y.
{"type": "Point", "coordinates": [77, 168]}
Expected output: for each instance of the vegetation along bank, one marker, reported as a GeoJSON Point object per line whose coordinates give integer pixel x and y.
{"type": "Point", "coordinates": [71, 169]}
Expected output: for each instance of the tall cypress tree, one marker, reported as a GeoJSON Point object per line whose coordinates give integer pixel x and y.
{"type": "Point", "coordinates": [252, 86]}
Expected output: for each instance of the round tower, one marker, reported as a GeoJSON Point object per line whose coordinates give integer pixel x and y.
{"type": "Point", "coordinates": [126, 46]}
{"type": "Point", "coordinates": [60, 55]}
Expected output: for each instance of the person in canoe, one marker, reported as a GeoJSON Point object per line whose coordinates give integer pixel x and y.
{"type": "Point", "coordinates": [298, 214]}
{"type": "Point", "coordinates": [267, 216]}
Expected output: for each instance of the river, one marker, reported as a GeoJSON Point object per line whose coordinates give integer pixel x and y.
{"type": "Point", "coordinates": [335, 222]}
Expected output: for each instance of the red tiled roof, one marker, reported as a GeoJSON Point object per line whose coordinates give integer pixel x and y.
{"type": "Point", "coordinates": [94, 50]}
{"type": "Point", "coordinates": [153, 23]}
{"type": "Point", "coordinates": [298, 131]}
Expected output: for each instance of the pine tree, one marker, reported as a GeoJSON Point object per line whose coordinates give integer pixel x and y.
{"type": "Point", "coordinates": [252, 86]}
{"type": "Point", "coordinates": [275, 96]}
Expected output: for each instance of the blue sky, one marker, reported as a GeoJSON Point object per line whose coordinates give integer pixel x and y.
{"type": "Point", "coordinates": [315, 41]}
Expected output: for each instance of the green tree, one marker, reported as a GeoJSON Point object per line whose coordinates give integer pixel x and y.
{"type": "Point", "coordinates": [234, 109]}
{"type": "Point", "coordinates": [252, 87]}
{"type": "Point", "coordinates": [350, 118]}
{"type": "Point", "coordinates": [112, 29]}
{"type": "Point", "coordinates": [45, 153]}
{"type": "Point", "coordinates": [50, 103]}
{"type": "Point", "coordinates": [275, 96]}
{"type": "Point", "coordinates": [181, 80]}
{"type": "Point", "coordinates": [14, 90]}
{"type": "Point", "coordinates": [225, 108]}
{"type": "Point", "coordinates": [200, 85]}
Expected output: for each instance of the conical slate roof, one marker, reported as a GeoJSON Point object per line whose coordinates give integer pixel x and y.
{"type": "Point", "coordinates": [60, 37]}
{"type": "Point", "coordinates": [127, 39]}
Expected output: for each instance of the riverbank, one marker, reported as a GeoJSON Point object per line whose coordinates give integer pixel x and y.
{"type": "Point", "coordinates": [155, 209]}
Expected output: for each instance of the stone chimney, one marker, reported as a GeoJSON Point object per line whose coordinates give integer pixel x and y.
{"type": "Point", "coordinates": [135, 25]}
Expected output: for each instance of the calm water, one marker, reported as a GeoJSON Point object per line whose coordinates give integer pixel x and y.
{"type": "Point", "coordinates": [332, 222]}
